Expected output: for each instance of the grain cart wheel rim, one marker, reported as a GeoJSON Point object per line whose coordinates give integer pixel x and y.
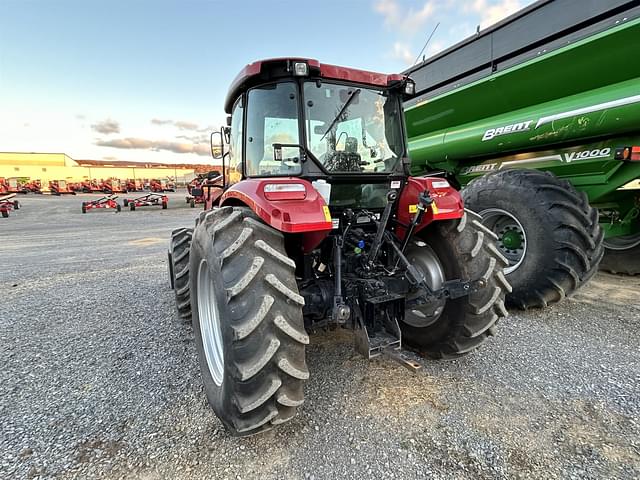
{"type": "Point", "coordinates": [512, 238]}
{"type": "Point", "coordinates": [210, 324]}
{"type": "Point", "coordinates": [428, 264]}
{"type": "Point", "coordinates": [622, 243]}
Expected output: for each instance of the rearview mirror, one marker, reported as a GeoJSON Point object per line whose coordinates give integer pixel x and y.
{"type": "Point", "coordinates": [217, 145]}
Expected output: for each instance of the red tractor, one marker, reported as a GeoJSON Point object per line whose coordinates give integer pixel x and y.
{"type": "Point", "coordinates": [320, 224]}
{"type": "Point", "coordinates": [60, 187]}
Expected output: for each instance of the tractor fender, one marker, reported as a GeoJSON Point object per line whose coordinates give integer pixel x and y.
{"type": "Point", "coordinates": [302, 210]}
{"type": "Point", "coordinates": [447, 202]}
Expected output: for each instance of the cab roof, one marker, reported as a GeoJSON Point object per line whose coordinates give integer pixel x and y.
{"type": "Point", "coordinates": [263, 71]}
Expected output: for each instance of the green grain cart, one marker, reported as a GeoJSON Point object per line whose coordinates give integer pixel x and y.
{"type": "Point", "coordinates": [538, 118]}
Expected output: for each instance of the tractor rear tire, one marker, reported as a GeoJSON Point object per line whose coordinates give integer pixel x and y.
{"type": "Point", "coordinates": [458, 249]}
{"type": "Point", "coordinates": [548, 230]}
{"type": "Point", "coordinates": [247, 319]}
{"type": "Point", "coordinates": [179, 250]}
{"type": "Point", "coordinates": [624, 261]}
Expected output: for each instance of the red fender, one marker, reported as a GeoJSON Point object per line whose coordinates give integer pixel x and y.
{"type": "Point", "coordinates": [302, 211]}
{"type": "Point", "coordinates": [447, 202]}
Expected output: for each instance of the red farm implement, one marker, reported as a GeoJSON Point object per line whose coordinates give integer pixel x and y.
{"type": "Point", "coordinates": [33, 186]}
{"type": "Point", "coordinates": [149, 200]}
{"type": "Point", "coordinates": [197, 186]}
{"type": "Point", "coordinates": [113, 185]}
{"type": "Point", "coordinates": [134, 185]}
{"type": "Point", "coordinates": [90, 186]}
{"type": "Point", "coordinates": [7, 203]}
{"type": "Point", "coordinates": [105, 202]}
{"type": "Point", "coordinates": [60, 187]}
{"type": "Point", "coordinates": [12, 185]}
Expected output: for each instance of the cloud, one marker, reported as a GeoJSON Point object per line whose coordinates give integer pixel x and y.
{"type": "Point", "coordinates": [401, 51]}
{"type": "Point", "coordinates": [134, 143]}
{"type": "Point", "coordinates": [494, 12]}
{"type": "Point", "coordinates": [157, 121]}
{"type": "Point", "coordinates": [181, 124]}
{"type": "Point", "coordinates": [106, 127]}
{"type": "Point", "coordinates": [406, 20]}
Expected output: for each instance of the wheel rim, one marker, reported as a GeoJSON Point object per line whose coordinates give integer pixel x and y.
{"type": "Point", "coordinates": [512, 238]}
{"type": "Point", "coordinates": [209, 319]}
{"type": "Point", "coordinates": [624, 242]}
{"type": "Point", "coordinates": [428, 264]}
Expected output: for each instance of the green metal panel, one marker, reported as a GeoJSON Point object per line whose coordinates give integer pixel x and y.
{"type": "Point", "coordinates": [597, 70]}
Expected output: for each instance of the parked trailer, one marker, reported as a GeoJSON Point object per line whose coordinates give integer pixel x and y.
{"type": "Point", "coordinates": [8, 203]}
{"type": "Point", "coordinates": [538, 118]}
{"type": "Point", "coordinates": [105, 202]}
{"type": "Point", "coordinates": [149, 200]}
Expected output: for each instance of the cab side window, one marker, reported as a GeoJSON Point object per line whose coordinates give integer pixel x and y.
{"type": "Point", "coordinates": [235, 143]}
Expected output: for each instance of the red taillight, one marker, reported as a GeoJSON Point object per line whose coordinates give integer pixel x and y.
{"type": "Point", "coordinates": [628, 153]}
{"type": "Point", "coordinates": [285, 191]}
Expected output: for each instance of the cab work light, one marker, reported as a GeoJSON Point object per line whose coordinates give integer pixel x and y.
{"type": "Point", "coordinates": [410, 87]}
{"type": "Point", "coordinates": [300, 69]}
{"type": "Point", "coordinates": [285, 191]}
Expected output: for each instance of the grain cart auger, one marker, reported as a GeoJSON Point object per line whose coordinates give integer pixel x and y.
{"type": "Point", "coordinates": [319, 224]}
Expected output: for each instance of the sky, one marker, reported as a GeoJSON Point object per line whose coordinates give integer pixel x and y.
{"type": "Point", "coordinates": [145, 81]}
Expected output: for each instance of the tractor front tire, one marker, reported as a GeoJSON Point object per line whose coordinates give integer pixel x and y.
{"type": "Point", "coordinates": [546, 229]}
{"type": "Point", "coordinates": [457, 249]}
{"type": "Point", "coordinates": [247, 319]}
{"type": "Point", "coordinates": [179, 250]}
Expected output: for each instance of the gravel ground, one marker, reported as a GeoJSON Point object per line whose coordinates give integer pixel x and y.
{"type": "Point", "coordinates": [99, 378]}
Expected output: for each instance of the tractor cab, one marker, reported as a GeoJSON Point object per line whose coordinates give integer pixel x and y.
{"type": "Point", "coordinates": [340, 128]}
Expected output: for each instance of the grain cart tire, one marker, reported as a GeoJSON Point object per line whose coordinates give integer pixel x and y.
{"type": "Point", "coordinates": [622, 255]}
{"type": "Point", "coordinates": [546, 229]}
{"type": "Point", "coordinates": [457, 249]}
{"type": "Point", "coordinates": [84, 208]}
{"type": "Point", "coordinates": [5, 213]}
{"type": "Point", "coordinates": [16, 205]}
{"type": "Point", "coordinates": [247, 319]}
{"type": "Point", "coordinates": [132, 207]}
{"type": "Point", "coordinates": [125, 202]}
{"type": "Point", "coordinates": [118, 208]}
{"type": "Point", "coordinates": [164, 205]}
{"type": "Point", "coordinates": [179, 250]}
{"type": "Point", "coordinates": [192, 203]}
